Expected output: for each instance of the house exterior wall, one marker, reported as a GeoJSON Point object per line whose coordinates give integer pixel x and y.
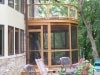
{"type": "Point", "coordinates": [9, 16]}
{"type": "Point", "coordinates": [11, 64]}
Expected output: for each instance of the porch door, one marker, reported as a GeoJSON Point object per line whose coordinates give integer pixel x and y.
{"type": "Point", "coordinates": [34, 46]}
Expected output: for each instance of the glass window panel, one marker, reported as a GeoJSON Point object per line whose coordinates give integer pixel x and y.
{"type": "Point", "coordinates": [11, 3]}
{"type": "Point", "coordinates": [10, 40]}
{"type": "Point", "coordinates": [17, 5]}
{"type": "Point", "coordinates": [56, 55]}
{"type": "Point", "coordinates": [16, 40]}
{"type": "Point", "coordinates": [1, 40]}
{"type": "Point", "coordinates": [74, 37]}
{"type": "Point", "coordinates": [21, 41]}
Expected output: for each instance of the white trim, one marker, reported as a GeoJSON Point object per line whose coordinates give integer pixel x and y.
{"type": "Point", "coordinates": [12, 56]}
{"type": "Point", "coordinates": [14, 40]}
{"type": "Point", "coordinates": [5, 40]}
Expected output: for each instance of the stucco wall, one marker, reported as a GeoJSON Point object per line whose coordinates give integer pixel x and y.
{"type": "Point", "coordinates": [9, 16]}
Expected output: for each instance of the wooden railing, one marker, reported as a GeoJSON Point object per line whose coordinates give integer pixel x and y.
{"type": "Point", "coordinates": [48, 11]}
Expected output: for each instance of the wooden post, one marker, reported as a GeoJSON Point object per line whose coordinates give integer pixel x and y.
{"type": "Point", "coordinates": [70, 44]}
{"type": "Point", "coordinates": [49, 44]}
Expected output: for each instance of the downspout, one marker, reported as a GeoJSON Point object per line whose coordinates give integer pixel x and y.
{"type": "Point", "coordinates": [26, 31]}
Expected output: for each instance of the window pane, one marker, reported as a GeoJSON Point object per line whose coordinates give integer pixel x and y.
{"type": "Point", "coordinates": [16, 40]}
{"type": "Point", "coordinates": [74, 37]}
{"type": "Point", "coordinates": [11, 3]}
{"type": "Point", "coordinates": [22, 6]}
{"type": "Point", "coordinates": [1, 1]}
{"type": "Point", "coordinates": [17, 5]}
{"type": "Point", "coordinates": [1, 40]}
{"type": "Point", "coordinates": [10, 40]}
{"type": "Point", "coordinates": [21, 41]}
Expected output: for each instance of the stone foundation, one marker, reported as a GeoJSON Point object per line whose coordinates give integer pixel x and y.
{"type": "Point", "coordinates": [12, 65]}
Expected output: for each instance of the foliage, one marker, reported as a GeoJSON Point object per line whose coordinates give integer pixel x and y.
{"type": "Point", "coordinates": [85, 65]}
{"type": "Point", "coordinates": [92, 10]}
{"type": "Point", "coordinates": [61, 72]}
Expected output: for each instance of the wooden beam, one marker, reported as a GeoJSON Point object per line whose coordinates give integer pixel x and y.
{"type": "Point", "coordinates": [49, 44]}
{"type": "Point", "coordinates": [34, 30]}
{"type": "Point", "coordinates": [70, 43]}
{"type": "Point", "coordinates": [42, 41]}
